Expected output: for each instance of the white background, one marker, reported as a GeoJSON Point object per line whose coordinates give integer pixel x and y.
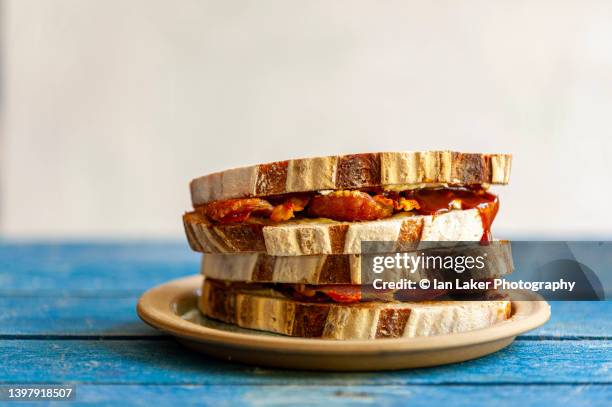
{"type": "Point", "coordinates": [109, 108]}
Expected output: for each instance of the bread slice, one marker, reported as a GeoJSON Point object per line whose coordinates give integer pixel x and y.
{"type": "Point", "coordinates": [365, 320]}
{"type": "Point", "coordinates": [390, 170]}
{"type": "Point", "coordinates": [324, 236]}
{"type": "Point", "coordinates": [341, 268]}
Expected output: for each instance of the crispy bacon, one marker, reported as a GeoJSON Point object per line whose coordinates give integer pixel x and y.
{"type": "Point", "coordinates": [341, 293]}
{"type": "Point", "coordinates": [406, 205]}
{"type": "Point", "coordinates": [350, 206]}
{"type": "Point", "coordinates": [236, 210]}
{"type": "Point", "coordinates": [384, 200]}
{"type": "Point", "coordinates": [285, 211]}
{"type": "Point", "coordinates": [357, 293]}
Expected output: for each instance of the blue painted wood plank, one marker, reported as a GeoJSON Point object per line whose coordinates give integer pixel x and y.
{"type": "Point", "coordinates": [166, 362]}
{"type": "Point", "coordinates": [88, 269]}
{"type": "Point", "coordinates": [72, 316]}
{"type": "Point", "coordinates": [376, 395]}
{"type": "Point", "coordinates": [578, 319]}
{"type": "Point", "coordinates": [110, 315]}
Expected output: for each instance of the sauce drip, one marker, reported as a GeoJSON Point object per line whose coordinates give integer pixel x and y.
{"type": "Point", "coordinates": [436, 201]}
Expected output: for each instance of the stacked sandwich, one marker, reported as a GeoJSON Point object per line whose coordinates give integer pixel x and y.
{"type": "Point", "coordinates": [283, 240]}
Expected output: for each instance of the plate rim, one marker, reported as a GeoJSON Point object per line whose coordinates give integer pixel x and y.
{"type": "Point", "coordinates": [154, 307]}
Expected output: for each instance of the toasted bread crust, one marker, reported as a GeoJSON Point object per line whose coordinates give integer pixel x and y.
{"type": "Point", "coordinates": [388, 170]}
{"type": "Point", "coordinates": [324, 236]}
{"type": "Point", "coordinates": [338, 268]}
{"type": "Point", "coordinates": [348, 321]}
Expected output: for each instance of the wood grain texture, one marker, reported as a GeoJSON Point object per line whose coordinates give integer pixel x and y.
{"type": "Point", "coordinates": [110, 315]}
{"type": "Point", "coordinates": [390, 170]}
{"type": "Point", "coordinates": [167, 362]}
{"type": "Point", "coordinates": [374, 395]}
{"type": "Point", "coordinates": [87, 269]}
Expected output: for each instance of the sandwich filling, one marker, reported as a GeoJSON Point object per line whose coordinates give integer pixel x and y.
{"type": "Point", "coordinates": [353, 206]}
{"type": "Point", "coordinates": [350, 294]}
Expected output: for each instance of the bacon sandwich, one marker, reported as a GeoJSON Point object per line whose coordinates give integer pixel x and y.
{"type": "Point", "coordinates": [282, 242]}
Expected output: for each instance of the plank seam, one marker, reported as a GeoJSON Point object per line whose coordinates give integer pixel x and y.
{"type": "Point", "coordinates": [169, 337]}
{"type": "Point", "coordinates": [11, 337]}
{"type": "Point", "coordinates": [327, 383]}
{"type": "Point", "coordinates": [563, 338]}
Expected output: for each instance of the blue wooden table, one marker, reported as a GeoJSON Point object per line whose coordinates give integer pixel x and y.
{"type": "Point", "coordinates": [67, 315]}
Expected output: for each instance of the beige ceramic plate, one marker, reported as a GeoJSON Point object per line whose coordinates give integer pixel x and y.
{"type": "Point", "coordinates": [171, 307]}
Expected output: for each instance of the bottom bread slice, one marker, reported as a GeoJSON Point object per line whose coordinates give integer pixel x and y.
{"type": "Point", "coordinates": [267, 310]}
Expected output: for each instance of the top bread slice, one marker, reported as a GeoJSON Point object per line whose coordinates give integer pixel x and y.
{"type": "Point", "coordinates": [388, 170]}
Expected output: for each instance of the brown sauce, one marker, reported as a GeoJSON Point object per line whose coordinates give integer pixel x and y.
{"type": "Point", "coordinates": [436, 201]}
